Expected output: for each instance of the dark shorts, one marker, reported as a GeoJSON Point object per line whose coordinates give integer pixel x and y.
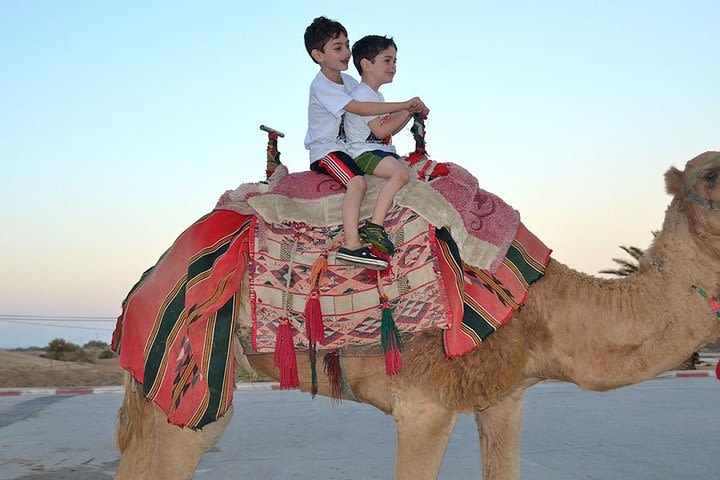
{"type": "Point", "coordinates": [370, 159]}
{"type": "Point", "coordinates": [339, 165]}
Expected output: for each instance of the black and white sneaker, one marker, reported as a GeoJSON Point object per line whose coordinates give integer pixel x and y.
{"type": "Point", "coordinates": [361, 257]}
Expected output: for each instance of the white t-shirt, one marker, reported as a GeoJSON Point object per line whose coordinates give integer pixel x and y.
{"type": "Point", "coordinates": [325, 115]}
{"type": "Point", "coordinates": [360, 138]}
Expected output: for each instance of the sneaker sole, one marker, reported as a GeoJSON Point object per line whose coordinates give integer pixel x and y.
{"type": "Point", "coordinates": [361, 262]}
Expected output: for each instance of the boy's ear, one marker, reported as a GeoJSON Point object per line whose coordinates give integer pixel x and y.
{"type": "Point", "coordinates": [316, 55]}
{"type": "Point", "coordinates": [364, 62]}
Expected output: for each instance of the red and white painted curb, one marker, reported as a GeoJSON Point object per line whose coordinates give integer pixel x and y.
{"type": "Point", "coordinates": [246, 387]}
{"type": "Point", "coordinates": [44, 392]}
{"type": "Point", "coordinates": [688, 374]}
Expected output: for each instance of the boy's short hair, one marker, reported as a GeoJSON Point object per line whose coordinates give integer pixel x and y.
{"type": "Point", "coordinates": [321, 31]}
{"type": "Point", "coordinates": [369, 47]}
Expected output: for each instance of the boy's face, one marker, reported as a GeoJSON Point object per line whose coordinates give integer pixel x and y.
{"type": "Point", "coordinates": [382, 68]}
{"type": "Point", "coordinates": [335, 55]}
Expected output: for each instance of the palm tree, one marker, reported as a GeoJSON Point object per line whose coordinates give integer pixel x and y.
{"type": "Point", "coordinates": [628, 267]}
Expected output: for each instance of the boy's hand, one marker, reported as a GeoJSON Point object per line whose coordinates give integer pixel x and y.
{"type": "Point", "coordinates": [415, 105]}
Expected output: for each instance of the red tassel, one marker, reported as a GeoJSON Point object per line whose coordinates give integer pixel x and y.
{"type": "Point", "coordinates": [285, 359]}
{"type": "Point", "coordinates": [415, 157]}
{"type": "Point", "coordinates": [388, 270]}
{"type": "Point", "coordinates": [440, 170]}
{"type": "Point", "coordinates": [331, 362]}
{"type": "Point", "coordinates": [393, 361]}
{"type": "Point", "coordinates": [717, 371]}
{"type": "Point", "coordinates": [314, 328]}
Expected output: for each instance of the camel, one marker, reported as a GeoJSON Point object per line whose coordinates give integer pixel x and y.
{"type": "Point", "coordinates": [599, 334]}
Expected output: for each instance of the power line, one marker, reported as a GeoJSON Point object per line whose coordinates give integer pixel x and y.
{"type": "Point", "coordinates": [55, 318]}
{"type": "Point", "coordinates": [27, 322]}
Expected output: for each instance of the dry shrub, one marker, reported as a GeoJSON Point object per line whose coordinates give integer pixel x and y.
{"type": "Point", "coordinates": [60, 349]}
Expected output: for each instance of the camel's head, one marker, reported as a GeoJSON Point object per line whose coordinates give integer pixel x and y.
{"type": "Point", "coordinates": [697, 190]}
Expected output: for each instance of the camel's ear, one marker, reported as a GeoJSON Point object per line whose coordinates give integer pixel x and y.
{"type": "Point", "coordinates": [674, 181]}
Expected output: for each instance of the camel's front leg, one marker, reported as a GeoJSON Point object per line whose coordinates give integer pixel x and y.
{"type": "Point", "coordinates": [152, 448]}
{"type": "Point", "coordinates": [499, 427]}
{"type": "Point", "coordinates": [423, 431]}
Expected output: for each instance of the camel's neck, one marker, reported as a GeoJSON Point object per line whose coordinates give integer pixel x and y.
{"type": "Point", "coordinates": [608, 333]}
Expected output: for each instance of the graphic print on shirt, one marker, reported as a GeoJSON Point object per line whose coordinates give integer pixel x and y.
{"type": "Point", "coordinates": [341, 131]}
{"type": "Point", "coordinates": [373, 139]}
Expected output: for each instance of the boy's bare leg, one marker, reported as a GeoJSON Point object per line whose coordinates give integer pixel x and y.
{"type": "Point", "coordinates": [397, 176]}
{"type": "Point", "coordinates": [356, 188]}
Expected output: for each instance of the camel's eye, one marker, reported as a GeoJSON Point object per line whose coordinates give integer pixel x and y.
{"type": "Point", "coordinates": [711, 176]}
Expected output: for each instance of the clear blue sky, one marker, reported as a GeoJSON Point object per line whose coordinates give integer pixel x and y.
{"type": "Point", "coordinates": [122, 122]}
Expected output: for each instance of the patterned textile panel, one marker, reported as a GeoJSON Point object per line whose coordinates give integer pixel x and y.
{"type": "Point", "coordinates": [280, 265]}
{"type": "Point", "coordinates": [485, 301]}
{"type": "Point", "coordinates": [175, 333]}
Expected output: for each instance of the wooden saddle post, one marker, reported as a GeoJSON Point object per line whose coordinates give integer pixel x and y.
{"type": "Point", "coordinates": [273, 155]}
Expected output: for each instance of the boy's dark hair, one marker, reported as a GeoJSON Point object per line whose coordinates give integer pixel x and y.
{"type": "Point", "coordinates": [368, 47]}
{"type": "Point", "coordinates": [321, 31]}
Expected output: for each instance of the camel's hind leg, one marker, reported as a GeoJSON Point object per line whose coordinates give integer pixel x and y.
{"type": "Point", "coordinates": [499, 427]}
{"type": "Point", "coordinates": [152, 448]}
{"type": "Point", "coordinates": [423, 431]}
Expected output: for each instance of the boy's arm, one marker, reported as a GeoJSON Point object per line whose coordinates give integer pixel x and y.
{"type": "Point", "coordinates": [393, 124]}
{"type": "Point", "coordinates": [366, 109]}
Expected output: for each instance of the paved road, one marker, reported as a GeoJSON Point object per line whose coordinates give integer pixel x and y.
{"type": "Point", "coordinates": [662, 429]}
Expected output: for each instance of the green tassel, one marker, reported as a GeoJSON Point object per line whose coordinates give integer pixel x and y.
{"type": "Point", "coordinates": [391, 342]}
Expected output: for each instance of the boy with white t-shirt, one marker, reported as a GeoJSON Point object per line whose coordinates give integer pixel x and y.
{"type": "Point", "coordinates": [369, 137]}
{"type": "Point", "coordinates": [327, 44]}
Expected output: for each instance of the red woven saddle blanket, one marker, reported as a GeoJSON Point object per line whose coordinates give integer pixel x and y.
{"type": "Point", "coordinates": [428, 285]}
{"type": "Point", "coordinates": [283, 255]}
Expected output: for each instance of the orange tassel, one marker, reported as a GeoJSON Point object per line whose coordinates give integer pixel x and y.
{"type": "Point", "coordinates": [285, 359]}
{"type": "Point", "coordinates": [314, 328]}
{"type": "Point", "coordinates": [319, 268]}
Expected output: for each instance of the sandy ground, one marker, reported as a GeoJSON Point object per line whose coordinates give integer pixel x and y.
{"type": "Point", "coordinates": [26, 370]}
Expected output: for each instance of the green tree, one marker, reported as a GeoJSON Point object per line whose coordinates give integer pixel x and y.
{"type": "Point", "coordinates": [627, 267]}
{"type": "Point", "coordinates": [107, 353]}
{"type": "Point", "coordinates": [58, 347]}
{"type": "Point", "coordinates": [61, 349]}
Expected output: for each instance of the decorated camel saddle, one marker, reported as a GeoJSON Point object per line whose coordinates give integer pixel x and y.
{"type": "Point", "coordinates": [463, 264]}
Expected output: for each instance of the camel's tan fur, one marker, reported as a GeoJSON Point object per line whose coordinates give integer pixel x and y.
{"type": "Point", "coordinates": [599, 334]}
